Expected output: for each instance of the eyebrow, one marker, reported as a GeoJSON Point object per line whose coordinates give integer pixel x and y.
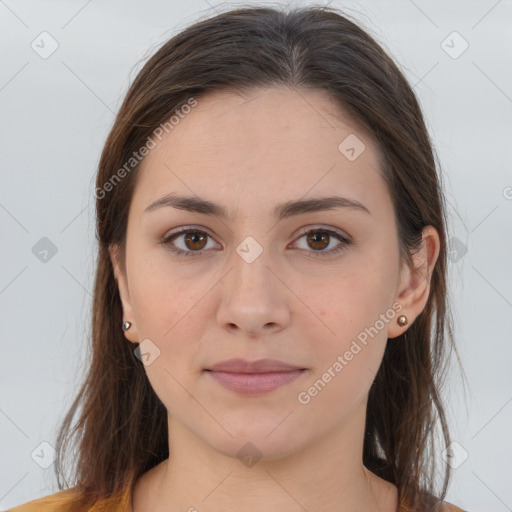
{"type": "Point", "coordinates": [281, 211]}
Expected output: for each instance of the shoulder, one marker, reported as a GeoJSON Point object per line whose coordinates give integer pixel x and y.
{"type": "Point", "coordinates": [62, 501]}
{"type": "Point", "coordinates": [449, 507]}
{"type": "Point", "coordinates": [68, 501]}
{"type": "Point", "coordinates": [440, 506]}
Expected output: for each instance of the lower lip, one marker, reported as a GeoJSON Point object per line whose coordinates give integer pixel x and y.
{"type": "Point", "coordinates": [251, 383]}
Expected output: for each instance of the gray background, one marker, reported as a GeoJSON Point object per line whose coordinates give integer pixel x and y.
{"type": "Point", "coordinates": [56, 113]}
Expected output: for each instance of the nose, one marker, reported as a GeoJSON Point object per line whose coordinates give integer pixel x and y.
{"type": "Point", "coordinates": [254, 299]}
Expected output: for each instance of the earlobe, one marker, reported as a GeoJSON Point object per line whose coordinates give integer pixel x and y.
{"type": "Point", "coordinates": [414, 288]}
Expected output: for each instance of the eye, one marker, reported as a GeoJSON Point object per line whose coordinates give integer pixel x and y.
{"type": "Point", "coordinates": [194, 241]}
{"type": "Point", "coordinates": [320, 238]}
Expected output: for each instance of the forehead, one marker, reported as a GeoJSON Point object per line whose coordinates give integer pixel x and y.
{"type": "Point", "coordinates": [265, 146]}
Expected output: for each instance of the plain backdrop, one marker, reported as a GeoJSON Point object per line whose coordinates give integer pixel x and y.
{"type": "Point", "coordinates": [65, 67]}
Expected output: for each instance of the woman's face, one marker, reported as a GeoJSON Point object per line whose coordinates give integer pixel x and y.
{"type": "Point", "coordinates": [267, 280]}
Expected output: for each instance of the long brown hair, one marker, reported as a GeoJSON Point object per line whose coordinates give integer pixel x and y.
{"type": "Point", "coordinates": [121, 431]}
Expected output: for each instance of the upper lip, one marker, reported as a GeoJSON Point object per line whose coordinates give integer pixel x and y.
{"type": "Point", "coordinates": [259, 366]}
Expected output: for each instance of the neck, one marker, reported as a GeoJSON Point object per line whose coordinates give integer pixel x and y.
{"type": "Point", "coordinates": [326, 475]}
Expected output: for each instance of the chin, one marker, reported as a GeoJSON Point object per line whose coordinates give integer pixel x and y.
{"type": "Point", "coordinates": [252, 442]}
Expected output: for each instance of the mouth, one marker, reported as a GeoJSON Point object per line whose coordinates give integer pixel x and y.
{"type": "Point", "coordinates": [255, 383]}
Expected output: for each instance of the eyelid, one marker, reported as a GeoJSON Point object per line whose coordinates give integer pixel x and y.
{"type": "Point", "coordinates": [327, 229]}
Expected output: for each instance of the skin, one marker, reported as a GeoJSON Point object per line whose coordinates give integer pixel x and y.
{"type": "Point", "coordinates": [249, 153]}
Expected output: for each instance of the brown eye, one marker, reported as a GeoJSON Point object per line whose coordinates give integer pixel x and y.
{"type": "Point", "coordinates": [318, 240]}
{"type": "Point", "coordinates": [187, 242]}
{"type": "Point", "coordinates": [195, 240]}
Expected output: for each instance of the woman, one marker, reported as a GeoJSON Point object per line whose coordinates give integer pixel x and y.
{"type": "Point", "coordinates": [270, 319]}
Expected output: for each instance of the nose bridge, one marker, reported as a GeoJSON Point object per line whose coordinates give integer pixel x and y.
{"type": "Point", "coordinates": [251, 298]}
{"type": "Point", "coordinates": [250, 260]}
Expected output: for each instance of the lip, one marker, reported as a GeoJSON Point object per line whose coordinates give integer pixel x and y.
{"type": "Point", "coordinates": [254, 383]}
{"type": "Point", "coordinates": [259, 366]}
{"type": "Point", "coordinates": [261, 376]}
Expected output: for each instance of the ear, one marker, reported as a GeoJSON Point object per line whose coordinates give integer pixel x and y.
{"type": "Point", "coordinates": [414, 287]}
{"type": "Point", "coordinates": [124, 293]}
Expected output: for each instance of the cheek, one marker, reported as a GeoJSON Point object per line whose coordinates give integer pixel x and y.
{"type": "Point", "coordinates": [167, 314]}
{"type": "Point", "coordinates": [161, 295]}
{"type": "Point", "coordinates": [362, 291]}
{"type": "Point", "coordinates": [348, 302]}
{"type": "Point", "coordinates": [346, 361]}
{"type": "Point", "coordinates": [348, 333]}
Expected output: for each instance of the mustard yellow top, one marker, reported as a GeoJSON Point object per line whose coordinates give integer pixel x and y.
{"type": "Point", "coordinates": [64, 501]}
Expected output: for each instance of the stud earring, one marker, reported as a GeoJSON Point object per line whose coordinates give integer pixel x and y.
{"type": "Point", "coordinates": [402, 320]}
{"type": "Point", "coordinates": [126, 325]}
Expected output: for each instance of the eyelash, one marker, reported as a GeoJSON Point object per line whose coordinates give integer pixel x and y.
{"type": "Point", "coordinates": [345, 242]}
